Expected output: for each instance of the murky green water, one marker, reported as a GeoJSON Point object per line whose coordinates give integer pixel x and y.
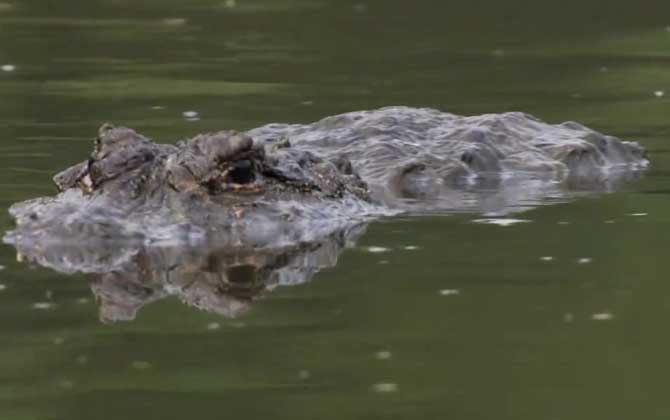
{"type": "Point", "coordinates": [456, 320]}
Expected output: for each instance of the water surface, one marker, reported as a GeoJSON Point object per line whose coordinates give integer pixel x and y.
{"type": "Point", "coordinates": [437, 316]}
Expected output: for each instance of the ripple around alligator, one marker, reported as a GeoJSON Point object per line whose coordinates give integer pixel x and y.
{"type": "Point", "coordinates": [229, 247]}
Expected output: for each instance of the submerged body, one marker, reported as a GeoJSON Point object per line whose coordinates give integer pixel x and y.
{"type": "Point", "coordinates": [273, 189]}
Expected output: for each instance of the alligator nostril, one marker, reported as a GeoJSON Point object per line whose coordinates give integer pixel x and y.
{"type": "Point", "coordinates": [467, 158]}
{"type": "Point", "coordinates": [242, 172]}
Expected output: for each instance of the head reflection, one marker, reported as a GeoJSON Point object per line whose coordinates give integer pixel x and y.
{"type": "Point", "coordinates": [220, 280]}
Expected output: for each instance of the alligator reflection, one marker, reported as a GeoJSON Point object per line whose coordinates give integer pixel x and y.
{"type": "Point", "coordinates": [221, 280]}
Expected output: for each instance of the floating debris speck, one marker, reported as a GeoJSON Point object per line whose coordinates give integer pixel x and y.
{"type": "Point", "coordinates": [157, 107]}
{"type": "Point", "coordinates": [638, 214]}
{"type": "Point", "coordinates": [659, 93]}
{"type": "Point", "coordinates": [174, 21]}
{"type": "Point", "coordinates": [604, 69]}
{"type": "Point", "coordinates": [360, 7]}
{"type": "Point", "coordinates": [66, 384]}
{"type": "Point", "coordinates": [585, 260]}
{"type": "Point", "coordinates": [500, 221]}
{"type": "Point", "coordinates": [376, 249]}
{"type": "Point", "coordinates": [229, 4]}
{"type": "Point", "coordinates": [140, 365]}
{"type": "Point", "coordinates": [602, 316]}
{"type": "Point", "coordinates": [410, 248]}
{"type": "Point", "coordinates": [2, 267]}
{"type": "Point", "coordinates": [8, 67]}
{"type": "Point", "coordinates": [304, 374]}
{"type": "Point", "coordinates": [83, 301]}
{"type": "Point", "coordinates": [569, 317]}
{"type": "Point", "coordinates": [383, 355]}
{"type": "Point", "coordinates": [450, 292]}
{"type": "Point", "coordinates": [385, 387]}
{"type": "Point", "coordinates": [213, 326]}
{"type": "Point", "coordinates": [547, 258]}
{"type": "Point", "coordinates": [190, 114]}
{"type": "Point", "coordinates": [43, 305]}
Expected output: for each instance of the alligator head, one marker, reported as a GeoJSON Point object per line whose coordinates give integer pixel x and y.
{"type": "Point", "coordinates": [132, 188]}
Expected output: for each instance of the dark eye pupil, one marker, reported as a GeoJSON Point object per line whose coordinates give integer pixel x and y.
{"type": "Point", "coordinates": [242, 172]}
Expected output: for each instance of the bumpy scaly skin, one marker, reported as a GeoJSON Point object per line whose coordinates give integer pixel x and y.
{"type": "Point", "coordinates": [446, 161]}
{"type": "Point", "coordinates": [132, 188]}
{"type": "Point", "coordinates": [128, 165]}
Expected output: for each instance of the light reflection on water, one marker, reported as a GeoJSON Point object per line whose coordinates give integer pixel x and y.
{"type": "Point", "coordinates": [476, 322]}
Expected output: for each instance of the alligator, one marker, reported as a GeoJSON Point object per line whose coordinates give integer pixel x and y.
{"type": "Point", "coordinates": [276, 189]}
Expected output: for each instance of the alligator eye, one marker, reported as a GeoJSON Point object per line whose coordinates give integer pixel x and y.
{"type": "Point", "coordinates": [242, 172]}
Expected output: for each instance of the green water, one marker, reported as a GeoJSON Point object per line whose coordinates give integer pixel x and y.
{"type": "Point", "coordinates": [470, 323]}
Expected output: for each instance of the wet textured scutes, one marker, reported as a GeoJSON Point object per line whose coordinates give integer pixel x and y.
{"type": "Point", "coordinates": [492, 162]}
